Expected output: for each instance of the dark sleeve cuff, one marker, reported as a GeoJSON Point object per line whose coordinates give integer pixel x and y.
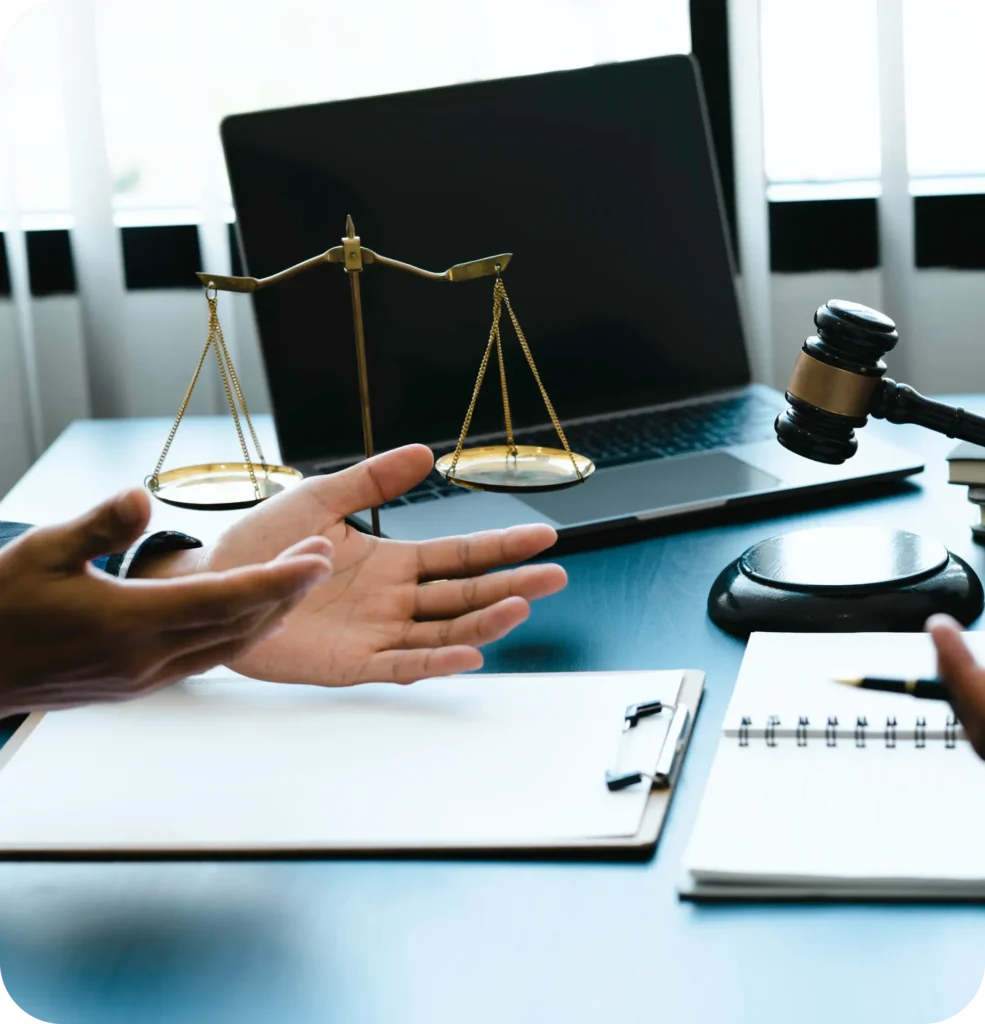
{"type": "Point", "coordinates": [150, 544]}
{"type": "Point", "coordinates": [11, 531]}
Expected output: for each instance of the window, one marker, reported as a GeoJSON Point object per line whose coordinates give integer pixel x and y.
{"type": "Point", "coordinates": [170, 72]}
{"type": "Point", "coordinates": [944, 53]}
{"type": "Point", "coordinates": [820, 98]}
{"type": "Point", "coordinates": [36, 146]}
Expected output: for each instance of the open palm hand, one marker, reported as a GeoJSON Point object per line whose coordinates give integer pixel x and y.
{"type": "Point", "coordinates": [391, 610]}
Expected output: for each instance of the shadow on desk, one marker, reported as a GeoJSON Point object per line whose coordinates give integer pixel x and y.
{"type": "Point", "coordinates": [143, 936]}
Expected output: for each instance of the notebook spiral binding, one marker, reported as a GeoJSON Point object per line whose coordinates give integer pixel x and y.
{"type": "Point", "coordinates": [890, 734]}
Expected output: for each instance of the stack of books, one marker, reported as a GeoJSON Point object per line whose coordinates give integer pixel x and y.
{"type": "Point", "coordinates": [966, 465]}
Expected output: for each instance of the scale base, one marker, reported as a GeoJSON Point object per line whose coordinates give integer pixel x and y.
{"type": "Point", "coordinates": [843, 580]}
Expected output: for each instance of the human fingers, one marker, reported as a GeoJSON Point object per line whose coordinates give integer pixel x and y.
{"type": "Point", "coordinates": [316, 545]}
{"type": "Point", "coordinates": [112, 526]}
{"type": "Point", "coordinates": [209, 598]}
{"type": "Point", "coordinates": [199, 661]}
{"type": "Point", "coordinates": [473, 629]}
{"type": "Point", "coordinates": [373, 481]}
{"type": "Point", "coordinates": [450, 598]}
{"type": "Point", "coordinates": [410, 666]}
{"type": "Point", "coordinates": [964, 678]}
{"type": "Point", "coordinates": [168, 655]}
{"type": "Point", "coordinates": [258, 625]}
{"type": "Point", "coordinates": [476, 553]}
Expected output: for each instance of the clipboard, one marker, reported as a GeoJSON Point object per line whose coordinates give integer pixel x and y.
{"type": "Point", "coordinates": [73, 833]}
{"type": "Point", "coordinates": [643, 845]}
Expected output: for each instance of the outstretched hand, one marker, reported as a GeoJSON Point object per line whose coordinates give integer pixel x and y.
{"type": "Point", "coordinates": [964, 677]}
{"type": "Point", "coordinates": [392, 611]}
{"type": "Point", "coordinates": [72, 634]}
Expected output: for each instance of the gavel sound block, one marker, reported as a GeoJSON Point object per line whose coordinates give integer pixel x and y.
{"type": "Point", "coordinates": [848, 578]}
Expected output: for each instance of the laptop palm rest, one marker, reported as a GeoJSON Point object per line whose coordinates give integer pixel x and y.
{"type": "Point", "coordinates": [701, 479]}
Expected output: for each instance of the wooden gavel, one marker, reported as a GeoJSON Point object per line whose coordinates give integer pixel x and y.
{"type": "Point", "coordinates": [839, 381]}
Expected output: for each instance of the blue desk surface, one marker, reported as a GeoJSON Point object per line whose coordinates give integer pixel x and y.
{"type": "Point", "coordinates": [428, 942]}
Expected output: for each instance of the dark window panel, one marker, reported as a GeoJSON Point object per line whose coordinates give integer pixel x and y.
{"type": "Point", "coordinates": [709, 43]}
{"type": "Point", "coordinates": [161, 257]}
{"type": "Point", "coordinates": [948, 231]}
{"type": "Point", "coordinates": [4, 274]}
{"type": "Point", "coordinates": [49, 262]}
{"type": "Point", "coordinates": [823, 234]}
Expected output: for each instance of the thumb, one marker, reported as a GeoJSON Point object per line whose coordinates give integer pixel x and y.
{"type": "Point", "coordinates": [964, 678]}
{"type": "Point", "coordinates": [374, 481]}
{"type": "Point", "coordinates": [110, 527]}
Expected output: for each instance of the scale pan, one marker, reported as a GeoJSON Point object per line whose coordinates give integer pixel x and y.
{"type": "Point", "coordinates": [219, 486]}
{"type": "Point", "coordinates": [531, 468]}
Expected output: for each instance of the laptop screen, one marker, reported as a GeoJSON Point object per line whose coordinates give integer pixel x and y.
{"type": "Point", "coordinates": [600, 181]}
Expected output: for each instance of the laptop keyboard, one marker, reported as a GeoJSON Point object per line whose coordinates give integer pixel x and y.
{"type": "Point", "coordinates": [656, 434]}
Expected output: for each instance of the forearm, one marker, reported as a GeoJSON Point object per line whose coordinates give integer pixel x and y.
{"type": "Point", "coordinates": [157, 555]}
{"type": "Point", "coordinates": [168, 564]}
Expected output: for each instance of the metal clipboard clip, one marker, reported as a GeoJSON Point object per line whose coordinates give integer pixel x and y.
{"type": "Point", "coordinates": [670, 752]}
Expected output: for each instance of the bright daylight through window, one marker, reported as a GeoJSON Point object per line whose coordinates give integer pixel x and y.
{"type": "Point", "coordinates": [161, 122]}
{"type": "Point", "coordinates": [819, 74]}
{"type": "Point", "coordinates": [821, 96]}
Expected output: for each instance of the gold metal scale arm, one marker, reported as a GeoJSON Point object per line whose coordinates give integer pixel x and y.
{"type": "Point", "coordinates": [354, 257]}
{"type": "Point", "coordinates": [363, 257]}
{"type": "Point", "coordinates": [524, 466]}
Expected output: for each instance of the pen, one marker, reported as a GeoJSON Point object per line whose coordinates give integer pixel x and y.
{"type": "Point", "coordinates": [929, 689]}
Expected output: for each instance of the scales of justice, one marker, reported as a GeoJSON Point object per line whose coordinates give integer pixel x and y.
{"type": "Point", "coordinates": [499, 467]}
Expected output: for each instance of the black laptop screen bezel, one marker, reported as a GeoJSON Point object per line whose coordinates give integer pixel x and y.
{"type": "Point", "coordinates": [296, 173]}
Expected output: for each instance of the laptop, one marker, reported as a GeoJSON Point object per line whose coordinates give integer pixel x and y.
{"type": "Point", "coordinates": [602, 183]}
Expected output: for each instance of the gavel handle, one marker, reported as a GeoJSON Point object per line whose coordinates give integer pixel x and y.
{"type": "Point", "coordinates": [899, 403]}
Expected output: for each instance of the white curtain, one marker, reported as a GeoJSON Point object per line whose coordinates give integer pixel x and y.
{"type": "Point", "coordinates": [109, 113]}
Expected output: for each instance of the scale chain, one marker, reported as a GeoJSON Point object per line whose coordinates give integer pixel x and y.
{"type": "Point", "coordinates": [213, 325]}
{"type": "Point", "coordinates": [181, 412]}
{"type": "Point", "coordinates": [506, 399]}
{"type": "Point", "coordinates": [239, 393]}
{"type": "Point", "coordinates": [493, 335]}
{"type": "Point", "coordinates": [497, 312]}
{"type": "Point", "coordinates": [215, 338]}
{"type": "Point", "coordinates": [540, 384]}
{"type": "Point", "coordinates": [499, 297]}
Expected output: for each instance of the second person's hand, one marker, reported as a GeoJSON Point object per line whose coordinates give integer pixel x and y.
{"type": "Point", "coordinates": [963, 676]}
{"type": "Point", "coordinates": [373, 620]}
{"type": "Point", "coordinates": [73, 634]}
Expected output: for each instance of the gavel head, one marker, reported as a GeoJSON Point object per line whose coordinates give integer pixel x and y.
{"type": "Point", "coordinates": [835, 381]}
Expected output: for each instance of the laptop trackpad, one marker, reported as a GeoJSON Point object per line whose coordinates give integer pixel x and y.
{"type": "Point", "coordinates": [648, 486]}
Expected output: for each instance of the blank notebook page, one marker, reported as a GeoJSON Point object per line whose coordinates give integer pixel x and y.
{"type": "Point", "coordinates": [855, 811]}
{"type": "Point", "coordinates": [845, 814]}
{"type": "Point", "coordinates": [234, 764]}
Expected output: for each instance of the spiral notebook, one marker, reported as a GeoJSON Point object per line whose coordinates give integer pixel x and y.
{"type": "Point", "coordinates": [822, 791]}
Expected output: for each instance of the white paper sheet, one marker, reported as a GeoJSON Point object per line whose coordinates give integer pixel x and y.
{"type": "Point", "coordinates": [863, 816]}
{"type": "Point", "coordinates": [234, 764]}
